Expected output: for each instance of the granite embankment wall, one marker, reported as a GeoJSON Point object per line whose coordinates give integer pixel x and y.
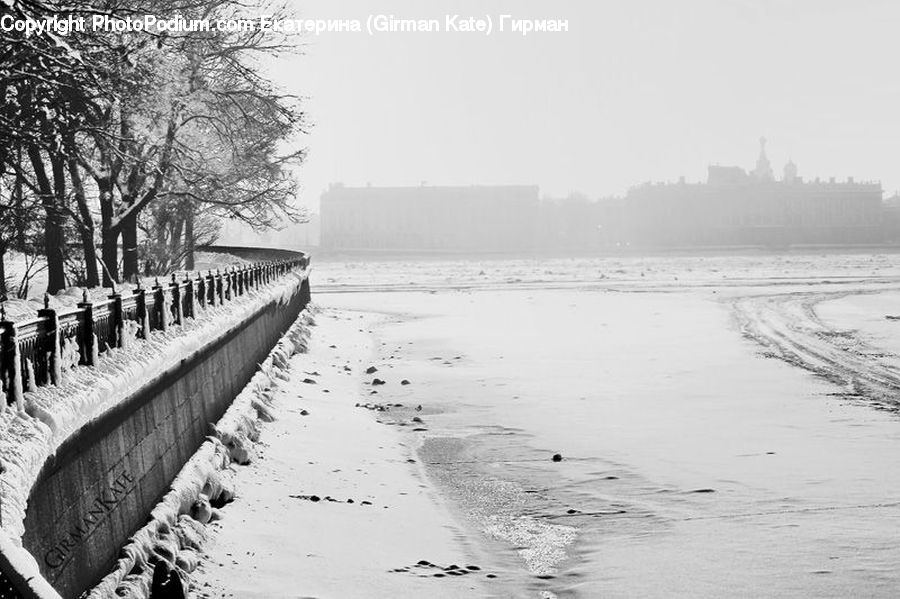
{"type": "Point", "coordinates": [103, 482]}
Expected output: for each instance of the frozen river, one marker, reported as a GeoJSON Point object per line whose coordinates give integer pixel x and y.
{"type": "Point", "coordinates": [694, 463]}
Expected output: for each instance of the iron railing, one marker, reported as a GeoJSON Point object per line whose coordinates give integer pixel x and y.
{"type": "Point", "coordinates": [35, 352]}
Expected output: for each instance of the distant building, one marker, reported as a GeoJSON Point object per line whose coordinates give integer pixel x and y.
{"type": "Point", "coordinates": [734, 207]}
{"type": "Point", "coordinates": [892, 218]}
{"type": "Point", "coordinates": [429, 218]}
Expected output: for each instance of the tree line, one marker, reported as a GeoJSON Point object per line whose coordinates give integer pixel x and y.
{"type": "Point", "coordinates": [122, 151]}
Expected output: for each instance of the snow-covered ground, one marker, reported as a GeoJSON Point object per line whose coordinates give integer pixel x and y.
{"type": "Point", "coordinates": [694, 464]}
{"type": "Point", "coordinates": [335, 505]}
{"type": "Point", "coordinates": [672, 271]}
{"type": "Point", "coordinates": [848, 337]}
{"type": "Point", "coordinates": [160, 557]}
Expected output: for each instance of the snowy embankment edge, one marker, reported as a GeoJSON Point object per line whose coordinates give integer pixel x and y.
{"type": "Point", "coordinates": [174, 536]}
{"type": "Point", "coordinates": [55, 412]}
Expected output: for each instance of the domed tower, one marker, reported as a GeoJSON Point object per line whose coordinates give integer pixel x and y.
{"type": "Point", "coordinates": [763, 170]}
{"type": "Point", "coordinates": [790, 172]}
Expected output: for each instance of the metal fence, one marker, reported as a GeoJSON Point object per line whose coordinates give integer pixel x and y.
{"type": "Point", "coordinates": [34, 353]}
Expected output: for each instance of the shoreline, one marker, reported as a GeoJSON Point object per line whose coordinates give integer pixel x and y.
{"type": "Point", "coordinates": [502, 496]}
{"type": "Point", "coordinates": [317, 516]}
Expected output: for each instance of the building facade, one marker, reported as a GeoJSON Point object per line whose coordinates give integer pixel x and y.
{"type": "Point", "coordinates": [429, 218]}
{"type": "Point", "coordinates": [734, 207]}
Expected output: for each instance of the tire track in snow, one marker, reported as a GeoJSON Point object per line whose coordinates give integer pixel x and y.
{"type": "Point", "coordinates": [788, 326]}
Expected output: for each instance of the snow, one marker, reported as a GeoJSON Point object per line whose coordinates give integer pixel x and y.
{"type": "Point", "coordinates": [22, 569]}
{"type": "Point", "coordinates": [276, 541]}
{"type": "Point", "coordinates": [176, 531]}
{"type": "Point", "coordinates": [659, 272]}
{"type": "Point", "coordinates": [694, 463]}
{"type": "Point", "coordinates": [52, 413]}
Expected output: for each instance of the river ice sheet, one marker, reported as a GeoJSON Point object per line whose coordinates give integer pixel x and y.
{"type": "Point", "coordinates": [696, 465]}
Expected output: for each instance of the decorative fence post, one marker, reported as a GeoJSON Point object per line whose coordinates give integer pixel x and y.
{"type": "Point", "coordinates": [88, 338]}
{"type": "Point", "coordinates": [10, 361]}
{"type": "Point", "coordinates": [231, 293]}
{"type": "Point", "coordinates": [176, 300]}
{"type": "Point", "coordinates": [117, 324]}
{"type": "Point", "coordinates": [201, 290]}
{"type": "Point", "coordinates": [159, 306]}
{"type": "Point", "coordinates": [143, 318]}
{"type": "Point", "coordinates": [220, 288]}
{"type": "Point", "coordinates": [190, 301]}
{"type": "Point", "coordinates": [50, 344]}
{"type": "Point", "coordinates": [211, 288]}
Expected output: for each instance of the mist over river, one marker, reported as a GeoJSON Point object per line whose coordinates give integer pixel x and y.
{"type": "Point", "coordinates": [727, 425]}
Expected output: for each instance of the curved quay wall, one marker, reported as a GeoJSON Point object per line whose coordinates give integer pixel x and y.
{"type": "Point", "coordinates": [103, 482]}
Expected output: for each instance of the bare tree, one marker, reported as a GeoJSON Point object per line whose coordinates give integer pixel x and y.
{"type": "Point", "coordinates": [181, 126]}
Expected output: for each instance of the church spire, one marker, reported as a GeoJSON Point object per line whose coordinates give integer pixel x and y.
{"type": "Point", "coordinates": [790, 172]}
{"type": "Point", "coordinates": [763, 170]}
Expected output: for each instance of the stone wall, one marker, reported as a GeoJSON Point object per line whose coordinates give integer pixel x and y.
{"type": "Point", "coordinates": [103, 482]}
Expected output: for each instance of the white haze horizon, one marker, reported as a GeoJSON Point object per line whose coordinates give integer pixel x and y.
{"type": "Point", "coordinates": [639, 91]}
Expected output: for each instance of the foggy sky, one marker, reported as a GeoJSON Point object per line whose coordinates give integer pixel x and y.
{"type": "Point", "coordinates": [637, 90]}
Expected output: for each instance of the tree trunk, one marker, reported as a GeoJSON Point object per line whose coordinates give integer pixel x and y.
{"type": "Point", "coordinates": [92, 275]}
{"type": "Point", "coordinates": [109, 237]}
{"type": "Point", "coordinates": [19, 203]}
{"type": "Point", "coordinates": [54, 234]}
{"type": "Point", "coordinates": [86, 227]}
{"type": "Point", "coordinates": [3, 292]}
{"type": "Point", "coordinates": [129, 247]}
{"type": "Point", "coordinates": [160, 256]}
{"type": "Point", "coordinates": [176, 250]}
{"type": "Point", "coordinates": [110, 252]}
{"type": "Point", "coordinates": [54, 250]}
{"type": "Point", "coordinates": [189, 239]}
